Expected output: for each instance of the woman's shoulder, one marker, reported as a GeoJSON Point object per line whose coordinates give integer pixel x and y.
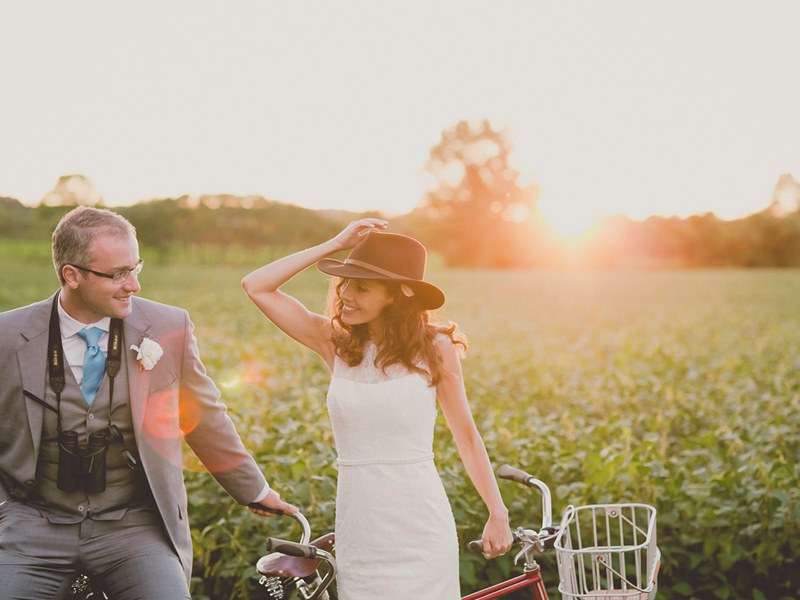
{"type": "Point", "coordinates": [447, 334]}
{"type": "Point", "coordinates": [441, 339]}
{"type": "Point", "coordinates": [448, 341]}
{"type": "Point", "coordinates": [446, 347]}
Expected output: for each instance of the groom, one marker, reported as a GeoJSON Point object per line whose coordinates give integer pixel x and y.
{"type": "Point", "coordinates": [91, 476]}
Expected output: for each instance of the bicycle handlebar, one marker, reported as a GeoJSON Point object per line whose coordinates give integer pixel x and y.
{"type": "Point", "coordinates": [299, 517]}
{"type": "Point", "coordinates": [538, 542]}
{"type": "Point", "coordinates": [291, 548]}
{"type": "Point", "coordinates": [547, 531]}
{"type": "Point", "coordinates": [476, 546]}
{"type": "Point", "coordinates": [259, 506]}
{"type": "Point", "coordinates": [514, 474]}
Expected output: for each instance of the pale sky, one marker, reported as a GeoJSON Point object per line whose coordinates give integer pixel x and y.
{"type": "Point", "coordinates": [635, 107]}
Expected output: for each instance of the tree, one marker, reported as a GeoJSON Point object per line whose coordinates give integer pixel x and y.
{"type": "Point", "coordinates": [478, 214]}
{"type": "Point", "coordinates": [72, 190]}
{"type": "Point", "coordinates": [785, 197]}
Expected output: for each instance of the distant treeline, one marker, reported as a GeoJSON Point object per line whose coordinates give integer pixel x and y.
{"type": "Point", "coordinates": [466, 239]}
{"type": "Point", "coordinates": [760, 240]}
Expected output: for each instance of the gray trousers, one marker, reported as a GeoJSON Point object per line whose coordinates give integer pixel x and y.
{"type": "Point", "coordinates": [131, 558]}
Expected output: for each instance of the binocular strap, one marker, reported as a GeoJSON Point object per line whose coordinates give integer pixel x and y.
{"type": "Point", "coordinates": [57, 378]}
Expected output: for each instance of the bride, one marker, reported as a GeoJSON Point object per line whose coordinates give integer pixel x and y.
{"type": "Point", "coordinates": [389, 367]}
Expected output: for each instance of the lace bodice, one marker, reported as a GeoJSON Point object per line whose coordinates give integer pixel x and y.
{"type": "Point", "coordinates": [380, 417]}
{"type": "Point", "coordinates": [367, 371]}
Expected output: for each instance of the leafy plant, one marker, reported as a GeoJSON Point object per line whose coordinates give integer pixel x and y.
{"type": "Point", "coordinates": [680, 389]}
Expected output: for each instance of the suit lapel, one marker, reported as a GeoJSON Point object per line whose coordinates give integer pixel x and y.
{"type": "Point", "coordinates": [32, 357]}
{"type": "Point", "coordinates": [136, 327]}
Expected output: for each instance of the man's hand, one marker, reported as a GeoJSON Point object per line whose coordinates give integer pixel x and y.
{"type": "Point", "coordinates": [272, 504]}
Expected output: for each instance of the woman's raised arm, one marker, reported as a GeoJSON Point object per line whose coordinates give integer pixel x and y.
{"type": "Point", "coordinates": [289, 314]}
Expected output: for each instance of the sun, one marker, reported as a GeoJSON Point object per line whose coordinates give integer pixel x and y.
{"type": "Point", "coordinates": [569, 222]}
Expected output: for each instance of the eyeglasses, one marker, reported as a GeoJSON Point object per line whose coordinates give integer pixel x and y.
{"type": "Point", "coordinates": [119, 276]}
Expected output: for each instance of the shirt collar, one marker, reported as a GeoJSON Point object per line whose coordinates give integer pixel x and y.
{"type": "Point", "coordinates": [71, 326]}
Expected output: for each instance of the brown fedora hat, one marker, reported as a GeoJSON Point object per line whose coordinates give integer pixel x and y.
{"type": "Point", "coordinates": [388, 257]}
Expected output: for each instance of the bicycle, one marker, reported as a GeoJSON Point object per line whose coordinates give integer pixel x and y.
{"type": "Point", "coordinates": [603, 552]}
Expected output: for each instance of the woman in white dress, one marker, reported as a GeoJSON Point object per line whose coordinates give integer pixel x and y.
{"type": "Point", "coordinates": [389, 367]}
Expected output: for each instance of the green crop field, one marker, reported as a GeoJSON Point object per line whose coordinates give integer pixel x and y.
{"type": "Point", "coordinates": [679, 389]}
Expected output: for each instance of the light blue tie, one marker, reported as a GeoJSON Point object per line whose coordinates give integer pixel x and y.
{"type": "Point", "coordinates": [94, 362]}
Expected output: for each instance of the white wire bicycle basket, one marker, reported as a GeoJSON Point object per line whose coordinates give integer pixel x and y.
{"type": "Point", "coordinates": [608, 552]}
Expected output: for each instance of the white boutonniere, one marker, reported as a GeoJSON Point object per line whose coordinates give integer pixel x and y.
{"type": "Point", "coordinates": [148, 353]}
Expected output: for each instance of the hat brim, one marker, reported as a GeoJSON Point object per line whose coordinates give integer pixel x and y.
{"type": "Point", "coordinates": [428, 295]}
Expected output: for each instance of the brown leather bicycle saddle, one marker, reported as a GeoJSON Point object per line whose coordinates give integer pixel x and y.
{"type": "Point", "coordinates": [281, 565]}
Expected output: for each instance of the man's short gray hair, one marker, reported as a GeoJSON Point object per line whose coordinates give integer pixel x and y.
{"type": "Point", "coordinates": [72, 237]}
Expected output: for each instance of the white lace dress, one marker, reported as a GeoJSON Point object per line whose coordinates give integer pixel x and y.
{"type": "Point", "coordinates": [395, 533]}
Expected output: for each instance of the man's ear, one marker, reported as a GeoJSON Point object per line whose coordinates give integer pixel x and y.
{"type": "Point", "coordinates": [70, 275]}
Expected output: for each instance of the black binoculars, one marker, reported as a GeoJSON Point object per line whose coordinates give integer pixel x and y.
{"type": "Point", "coordinates": [82, 465]}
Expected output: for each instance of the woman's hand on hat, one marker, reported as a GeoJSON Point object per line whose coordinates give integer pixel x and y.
{"type": "Point", "coordinates": [356, 230]}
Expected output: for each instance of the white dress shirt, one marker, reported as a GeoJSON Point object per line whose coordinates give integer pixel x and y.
{"type": "Point", "coordinates": [74, 345]}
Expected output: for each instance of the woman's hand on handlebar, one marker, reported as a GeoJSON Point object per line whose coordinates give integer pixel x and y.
{"type": "Point", "coordinates": [272, 504]}
{"type": "Point", "coordinates": [497, 538]}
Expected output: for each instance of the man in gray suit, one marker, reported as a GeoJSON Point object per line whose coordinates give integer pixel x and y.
{"type": "Point", "coordinates": [91, 475]}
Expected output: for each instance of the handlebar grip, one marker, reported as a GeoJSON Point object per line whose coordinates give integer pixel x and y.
{"type": "Point", "coordinates": [514, 474]}
{"type": "Point", "coordinates": [476, 546]}
{"type": "Point", "coordinates": [291, 548]}
{"type": "Point", "coordinates": [258, 506]}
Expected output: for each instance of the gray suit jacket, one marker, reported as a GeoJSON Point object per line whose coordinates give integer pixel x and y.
{"type": "Point", "coordinates": [173, 401]}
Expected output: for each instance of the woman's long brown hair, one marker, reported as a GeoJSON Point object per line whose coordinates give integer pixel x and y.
{"type": "Point", "coordinates": [407, 335]}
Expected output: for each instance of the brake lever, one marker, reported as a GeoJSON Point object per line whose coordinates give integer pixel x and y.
{"type": "Point", "coordinates": [530, 541]}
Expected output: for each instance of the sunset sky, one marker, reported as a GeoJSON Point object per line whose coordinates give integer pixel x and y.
{"type": "Point", "coordinates": [612, 106]}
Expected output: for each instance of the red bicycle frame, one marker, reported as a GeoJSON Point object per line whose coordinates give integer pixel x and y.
{"type": "Point", "coordinates": [531, 580]}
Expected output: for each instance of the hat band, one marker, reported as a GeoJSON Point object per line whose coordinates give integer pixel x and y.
{"type": "Point", "coordinates": [366, 265]}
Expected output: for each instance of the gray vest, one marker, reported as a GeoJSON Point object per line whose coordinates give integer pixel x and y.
{"type": "Point", "coordinates": [125, 488]}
